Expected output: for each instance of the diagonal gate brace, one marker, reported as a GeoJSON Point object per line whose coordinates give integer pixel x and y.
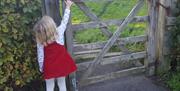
{"type": "Point", "coordinates": [93, 17]}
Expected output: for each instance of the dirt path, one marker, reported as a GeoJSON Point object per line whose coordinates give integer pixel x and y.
{"type": "Point", "coordinates": [130, 83]}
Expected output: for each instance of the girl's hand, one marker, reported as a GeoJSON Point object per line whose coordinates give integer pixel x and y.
{"type": "Point", "coordinates": [68, 4]}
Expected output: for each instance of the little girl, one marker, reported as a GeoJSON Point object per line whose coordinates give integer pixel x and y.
{"type": "Point", "coordinates": [54, 61]}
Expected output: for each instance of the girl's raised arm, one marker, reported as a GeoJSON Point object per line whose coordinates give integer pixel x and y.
{"type": "Point", "coordinates": [61, 29]}
{"type": "Point", "coordinates": [65, 18]}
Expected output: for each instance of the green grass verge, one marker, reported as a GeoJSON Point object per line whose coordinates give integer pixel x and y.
{"type": "Point", "coordinates": [117, 9]}
{"type": "Point", "coordinates": [172, 80]}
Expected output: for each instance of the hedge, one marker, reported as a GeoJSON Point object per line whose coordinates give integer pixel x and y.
{"type": "Point", "coordinates": [18, 65]}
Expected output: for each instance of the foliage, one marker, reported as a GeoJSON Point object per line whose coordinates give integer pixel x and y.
{"type": "Point", "coordinates": [173, 77]}
{"type": "Point", "coordinates": [174, 82]}
{"type": "Point", "coordinates": [176, 36]}
{"type": "Point", "coordinates": [18, 65]}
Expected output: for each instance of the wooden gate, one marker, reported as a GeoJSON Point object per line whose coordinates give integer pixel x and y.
{"type": "Point", "coordinates": [100, 50]}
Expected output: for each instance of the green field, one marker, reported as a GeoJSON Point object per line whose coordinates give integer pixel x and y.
{"type": "Point", "coordinates": [117, 9]}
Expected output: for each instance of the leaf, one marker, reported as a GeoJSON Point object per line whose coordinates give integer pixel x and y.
{"type": "Point", "coordinates": [1, 44]}
{"type": "Point", "coordinates": [17, 82]}
{"type": "Point", "coordinates": [15, 36]}
{"type": "Point", "coordinates": [14, 30]}
{"type": "Point", "coordinates": [25, 10]}
{"type": "Point", "coordinates": [2, 50]}
{"type": "Point", "coordinates": [4, 29]}
{"type": "Point", "coordinates": [16, 66]}
{"type": "Point", "coordinates": [10, 58]}
{"type": "Point", "coordinates": [10, 67]}
{"type": "Point", "coordinates": [8, 1]}
{"type": "Point", "coordinates": [22, 1]}
{"type": "Point", "coordinates": [10, 18]}
{"type": "Point", "coordinates": [24, 68]}
{"type": "Point", "coordinates": [1, 62]}
{"type": "Point", "coordinates": [3, 80]}
{"type": "Point", "coordinates": [2, 3]}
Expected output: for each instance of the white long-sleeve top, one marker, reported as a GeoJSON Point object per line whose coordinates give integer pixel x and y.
{"type": "Point", "coordinates": [60, 40]}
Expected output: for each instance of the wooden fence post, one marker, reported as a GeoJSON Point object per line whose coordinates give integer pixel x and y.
{"type": "Point", "coordinates": [152, 37]}
{"type": "Point", "coordinates": [166, 12]}
{"type": "Point", "coordinates": [163, 49]}
{"type": "Point", "coordinates": [51, 8]}
{"type": "Point", "coordinates": [69, 47]}
{"type": "Point", "coordinates": [71, 79]}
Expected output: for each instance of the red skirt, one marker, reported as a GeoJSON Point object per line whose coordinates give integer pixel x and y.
{"type": "Point", "coordinates": [57, 62]}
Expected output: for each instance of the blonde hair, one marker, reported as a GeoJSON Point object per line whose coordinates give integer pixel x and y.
{"type": "Point", "coordinates": [45, 31]}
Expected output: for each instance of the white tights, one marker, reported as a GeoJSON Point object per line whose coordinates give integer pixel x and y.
{"type": "Point", "coordinates": [60, 81]}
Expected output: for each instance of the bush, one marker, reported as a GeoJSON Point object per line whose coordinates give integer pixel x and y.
{"type": "Point", "coordinates": [18, 64]}
{"type": "Point", "coordinates": [173, 77]}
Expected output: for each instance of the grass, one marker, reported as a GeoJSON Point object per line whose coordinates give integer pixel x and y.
{"type": "Point", "coordinates": [118, 9]}
{"type": "Point", "coordinates": [172, 80]}
{"type": "Point", "coordinates": [135, 47]}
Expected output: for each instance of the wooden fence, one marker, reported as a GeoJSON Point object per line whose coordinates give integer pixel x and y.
{"type": "Point", "coordinates": [158, 18]}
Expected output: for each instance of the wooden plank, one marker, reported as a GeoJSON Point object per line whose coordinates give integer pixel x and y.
{"type": "Point", "coordinates": [113, 39]}
{"type": "Point", "coordinates": [93, 17]}
{"type": "Point", "coordinates": [68, 33]}
{"type": "Point", "coordinates": [171, 18]}
{"type": "Point", "coordinates": [162, 66]}
{"type": "Point", "coordinates": [71, 78]}
{"type": "Point", "coordinates": [93, 55]}
{"type": "Point", "coordinates": [69, 38]}
{"type": "Point", "coordinates": [123, 48]}
{"type": "Point", "coordinates": [170, 21]}
{"type": "Point", "coordinates": [131, 56]}
{"type": "Point", "coordinates": [152, 37]}
{"type": "Point", "coordinates": [100, 45]}
{"type": "Point", "coordinates": [173, 7]}
{"type": "Point", "coordinates": [88, 25]}
{"type": "Point", "coordinates": [113, 75]}
{"type": "Point", "coordinates": [87, 52]}
{"type": "Point", "coordinates": [116, 59]}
